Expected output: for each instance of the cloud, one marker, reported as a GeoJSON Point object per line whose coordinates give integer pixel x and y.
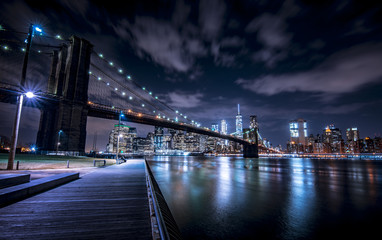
{"type": "Point", "coordinates": [211, 17]}
{"type": "Point", "coordinates": [272, 33]}
{"type": "Point", "coordinates": [343, 72]}
{"type": "Point", "coordinates": [271, 30]}
{"type": "Point", "coordinates": [162, 42]}
{"type": "Point", "coordinates": [185, 100]}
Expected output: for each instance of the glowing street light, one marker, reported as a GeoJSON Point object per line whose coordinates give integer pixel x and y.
{"type": "Point", "coordinates": [16, 127]}
{"type": "Point", "coordinates": [20, 99]}
{"type": "Point", "coordinates": [30, 95]}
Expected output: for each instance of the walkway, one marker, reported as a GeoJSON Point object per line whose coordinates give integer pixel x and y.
{"type": "Point", "coordinates": [110, 203]}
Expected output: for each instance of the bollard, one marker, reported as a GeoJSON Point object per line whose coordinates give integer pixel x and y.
{"type": "Point", "coordinates": [17, 165]}
{"type": "Point", "coordinates": [67, 164]}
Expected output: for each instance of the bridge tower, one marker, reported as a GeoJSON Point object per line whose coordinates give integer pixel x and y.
{"type": "Point", "coordinates": [63, 124]}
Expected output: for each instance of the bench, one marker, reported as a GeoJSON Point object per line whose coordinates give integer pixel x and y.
{"type": "Point", "coordinates": [99, 161]}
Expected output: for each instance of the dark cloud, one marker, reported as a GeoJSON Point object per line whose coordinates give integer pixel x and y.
{"type": "Point", "coordinates": [211, 17]}
{"type": "Point", "coordinates": [343, 72]}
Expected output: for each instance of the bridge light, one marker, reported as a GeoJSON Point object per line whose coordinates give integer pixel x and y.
{"type": "Point", "coordinates": [111, 63]}
{"type": "Point", "coordinates": [150, 93]}
{"type": "Point", "coordinates": [139, 114]}
{"type": "Point", "coordinates": [143, 88]}
{"type": "Point", "coordinates": [58, 37]}
{"type": "Point", "coordinates": [129, 110]}
{"type": "Point", "coordinates": [120, 70]}
{"type": "Point", "coordinates": [176, 111]}
{"type": "Point", "coordinates": [128, 77]}
{"type": "Point", "coordinates": [130, 98]}
{"type": "Point", "coordinates": [100, 55]}
{"type": "Point", "coordinates": [99, 78]}
{"type": "Point", "coordinates": [5, 47]}
{"type": "Point", "coordinates": [116, 89]}
{"type": "Point", "coordinates": [30, 95]}
{"type": "Point", "coordinates": [123, 93]}
{"type": "Point", "coordinates": [156, 97]}
{"type": "Point", "coordinates": [38, 29]}
{"type": "Point", "coordinates": [143, 105]}
{"type": "Point", "coordinates": [108, 84]}
{"type": "Point", "coordinates": [23, 49]}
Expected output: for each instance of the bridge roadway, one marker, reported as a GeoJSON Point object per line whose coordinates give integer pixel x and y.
{"type": "Point", "coordinates": [109, 203]}
{"type": "Point", "coordinates": [103, 111]}
{"type": "Point", "coordinates": [8, 93]}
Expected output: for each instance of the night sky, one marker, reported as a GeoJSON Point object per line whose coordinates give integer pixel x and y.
{"type": "Point", "coordinates": [279, 60]}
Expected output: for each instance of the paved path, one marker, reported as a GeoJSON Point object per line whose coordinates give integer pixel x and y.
{"type": "Point", "coordinates": [110, 203]}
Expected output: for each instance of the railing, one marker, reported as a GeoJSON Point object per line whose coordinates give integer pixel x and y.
{"type": "Point", "coordinates": [168, 229]}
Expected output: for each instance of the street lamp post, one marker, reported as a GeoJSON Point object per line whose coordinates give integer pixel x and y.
{"type": "Point", "coordinates": [58, 141]}
{"type": "Point", "coordinates": [16, 126]}
{"type": "Point", "coordinates": [119, 130]}
{"type": "Point", "coordinates": [20, 98]}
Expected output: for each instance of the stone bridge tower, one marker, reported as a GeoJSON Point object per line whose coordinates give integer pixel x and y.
{"type": "Point", "coordinates": [66, 119]}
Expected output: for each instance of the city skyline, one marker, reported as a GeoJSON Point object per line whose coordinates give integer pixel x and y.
{"type": "Point", "coordinates": [264, 56]}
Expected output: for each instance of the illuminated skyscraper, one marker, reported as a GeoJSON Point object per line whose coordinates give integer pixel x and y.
{"type": "Point", "coordinates": [298, 131]}
{"type": "Point", "coordinates": [239, 123]}
{"type": "Point", "coordinates": [215, 127]}
{"type": "Point", "coordinates": [352, 134]}
{"type": "Point", "coordinates": [224, 127]}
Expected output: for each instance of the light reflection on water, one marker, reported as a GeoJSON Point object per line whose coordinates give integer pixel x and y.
{"type": "Point", "coordinates": [236, 198]}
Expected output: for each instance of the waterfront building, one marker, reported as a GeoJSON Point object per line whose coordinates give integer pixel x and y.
{"type": "Point", "coordinates": [126, 137]}
{"type": "Point", "coordinates": [158, 138]}
{"type": "Point", "coordinates": [224, 127]}
{"type": "Point", "coordinates": [352, 143]}
{"type": "Point", "coordinates": [298, 131]}
{"type": "Point", "coordinates": [239, 123]}
{"type": "Point", "coordinates": [298, 136]}
{"type": "Point", "coordinates": [143, 145]}
{"type": "Point", "coordinates": [215, 127]}
{"type": "Point", "coordinates": [332, 139]}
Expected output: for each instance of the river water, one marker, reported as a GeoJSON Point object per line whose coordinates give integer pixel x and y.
{"type": "Point", "coordinates": [295, 198]}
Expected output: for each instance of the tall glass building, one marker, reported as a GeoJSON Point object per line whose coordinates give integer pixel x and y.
{"type": "Point", "coordinates": [239, 123]}
{"type": "Point", "coordinates": [298, 131]}
{"type": "Point", "coordinates": [224, 127]}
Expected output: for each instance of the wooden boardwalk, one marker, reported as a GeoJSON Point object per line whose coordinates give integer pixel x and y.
{"type": "Point", "coordinates": [110, 203]}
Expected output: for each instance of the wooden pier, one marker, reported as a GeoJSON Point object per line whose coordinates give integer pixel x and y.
{"type": "Point", "coordinates": [110, 203]}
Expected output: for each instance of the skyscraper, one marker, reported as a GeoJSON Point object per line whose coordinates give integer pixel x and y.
{"type": "Point", "coordinates": [298, 131]}
{"type": "Point", "coordinates": [215, 127]}
{"type": "Point", "coordinates": [352, 134]}
{"type": "Point", "coordinates": [224, 127]}
{"type": "Point", "coordinates": [239, 123]}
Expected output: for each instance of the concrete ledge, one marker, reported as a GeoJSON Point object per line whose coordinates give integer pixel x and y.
{"type": "Point", "coordinates": [16, 193]}
{"type": "Point", "coordinates": [8, 180]}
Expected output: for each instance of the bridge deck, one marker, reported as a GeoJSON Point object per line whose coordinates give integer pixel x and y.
{"type": "Point", "coordinates": [110, 203]}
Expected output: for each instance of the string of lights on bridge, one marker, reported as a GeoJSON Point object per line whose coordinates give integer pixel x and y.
{"type": "Point", "coordinates": [150, 93]}
{"type": "Point", "coordinates": [39, 32]}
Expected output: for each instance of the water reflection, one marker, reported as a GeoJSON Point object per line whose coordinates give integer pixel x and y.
{"type": "Point", "coordinates": [236, 198]}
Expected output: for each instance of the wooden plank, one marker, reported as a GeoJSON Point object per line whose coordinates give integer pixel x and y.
{"type": "Point", "coordinates": [109, 203]}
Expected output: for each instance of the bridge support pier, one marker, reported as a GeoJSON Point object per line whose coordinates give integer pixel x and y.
{"type": "Point", "coordinates": [69, 80]}
{"type": "Point", "coordinates": [250, 151]}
